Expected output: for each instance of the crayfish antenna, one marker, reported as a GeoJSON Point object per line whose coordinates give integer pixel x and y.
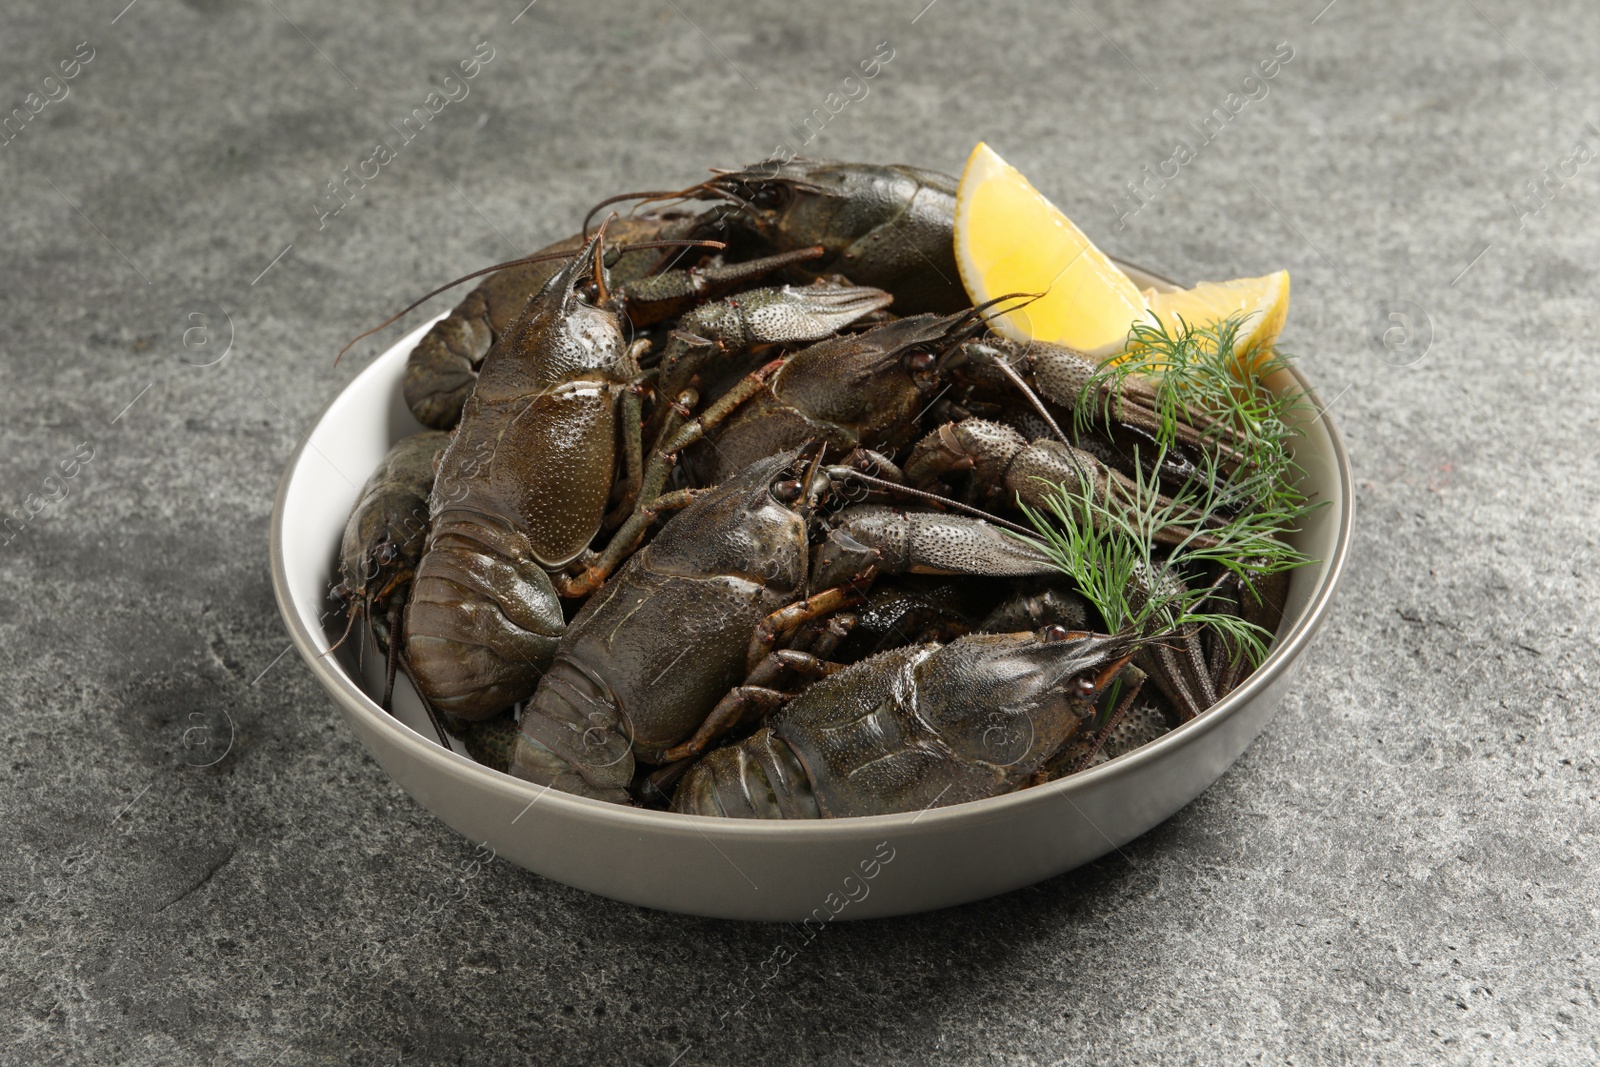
{"type": "Point", "coordinates": [643, 198]}
{"type": "Point", "coordinates": [350, 620]}
{"type": "Point", "coordinates": [692, 192]}
{"type": "Point", "coordinates": [703, 189]}
{"type": "Point", "coordinates": [409, 308]}
{"type": "Point", "coordinates": [1027, 391]}
{"type": "Point", "coordinates": [1118, 713]}
{"type": "Point", "coordinates": [392, 658]}
{"type": "Point", "coordinates": [1005, 367]}
{"type": "Point", "coordinates": [427, 705]}
{"type": "Point", "coordinates": [542, 257]}
{"type": "Point", "coordinates": [1026, 298]}
{"type": "Point", "coordinates": [937, 501]}
{"type": "Point", "coordinates": [808, 487]}
{"type": "Point", "coordinates": [601, 293]}
{"type": "Point", "coordinates": [700, 190]}
{"type": "Point", "coordinates": [1034, 401]}
{"type": "Point", "coordinates": [963, 324]}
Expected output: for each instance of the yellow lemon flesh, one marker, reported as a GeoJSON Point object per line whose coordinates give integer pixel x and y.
{"type": "Point", "coordinates": [1010, 239]}
{"type": "Point", "coordinates": [1263, 302]}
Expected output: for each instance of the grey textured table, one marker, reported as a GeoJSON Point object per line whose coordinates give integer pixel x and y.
{"type": "Point", "coordinates": [1402, 869]}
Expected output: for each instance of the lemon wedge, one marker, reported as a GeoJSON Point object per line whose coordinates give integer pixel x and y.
{"type": "Point", "coordinates": [1264, 303]}
{"type": "Point", "coordinates": [1010, 239]}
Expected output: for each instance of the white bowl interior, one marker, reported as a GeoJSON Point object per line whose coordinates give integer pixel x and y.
{"type": "Point", "coordinates": [346, 446]}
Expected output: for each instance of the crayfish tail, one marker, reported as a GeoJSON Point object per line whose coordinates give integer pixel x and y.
{"type": "Point", "coordinates": [572, 738]}
{"type": "Point", "coordinates": [482, 622]}
{"type": "Point", "coordinates": [532, 762]}
{"type": "Point", "coordinates": [760, 778]}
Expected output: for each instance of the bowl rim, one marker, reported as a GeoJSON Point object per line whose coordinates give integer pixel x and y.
{"type": "Point", "coordinates": [354, 699]}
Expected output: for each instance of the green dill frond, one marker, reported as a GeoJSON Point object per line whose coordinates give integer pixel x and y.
{"type": "Point", "coordinates": [1109, 550]}
{"type": "Point", "coordinates": [1099, 566]}
{"type": "Point", "coordinates": [1234, 515]}
{"type": "Point", "coordinates": [1200, 377]}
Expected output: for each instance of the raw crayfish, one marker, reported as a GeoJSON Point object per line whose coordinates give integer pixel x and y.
{"type": "Point", "coordinates": [729, 516]}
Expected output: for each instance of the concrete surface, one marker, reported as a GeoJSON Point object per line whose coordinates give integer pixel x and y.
{"type": "Point", "coordinates": [1401, 870]}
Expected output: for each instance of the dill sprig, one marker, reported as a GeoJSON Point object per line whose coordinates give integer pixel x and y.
{"type": "Point", "coordinates": [1199, 376]}
{"type": "Point", "coordinates": [1235, 515]}
{"type": "Point", "coordinates": [1109, 550]}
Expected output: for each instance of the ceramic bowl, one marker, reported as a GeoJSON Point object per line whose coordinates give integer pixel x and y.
{"type": "Point", "coordinates": [824, 870]}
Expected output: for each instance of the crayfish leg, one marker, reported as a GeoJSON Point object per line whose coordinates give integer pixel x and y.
{"type": "Point", "coordinates": [392, 660]}
{"type": "Point", "coordinates": [787, 618]}
{"type": "Point", "coordinates": [744, 703]}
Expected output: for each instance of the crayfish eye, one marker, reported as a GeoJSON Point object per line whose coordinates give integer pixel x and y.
{"type": "Point", "coordinates": [787, 491]}
{"type": "Point", "coordinates": [1083, 686]}
{"type": "Point", "coordinates": [768, 196]}
{"type": "Point", "coordinates": [1053, 633]}
{"type": "Point", "coordinates": [590, 292]}
{"type": "Point", "coordinates": [920, 360]}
